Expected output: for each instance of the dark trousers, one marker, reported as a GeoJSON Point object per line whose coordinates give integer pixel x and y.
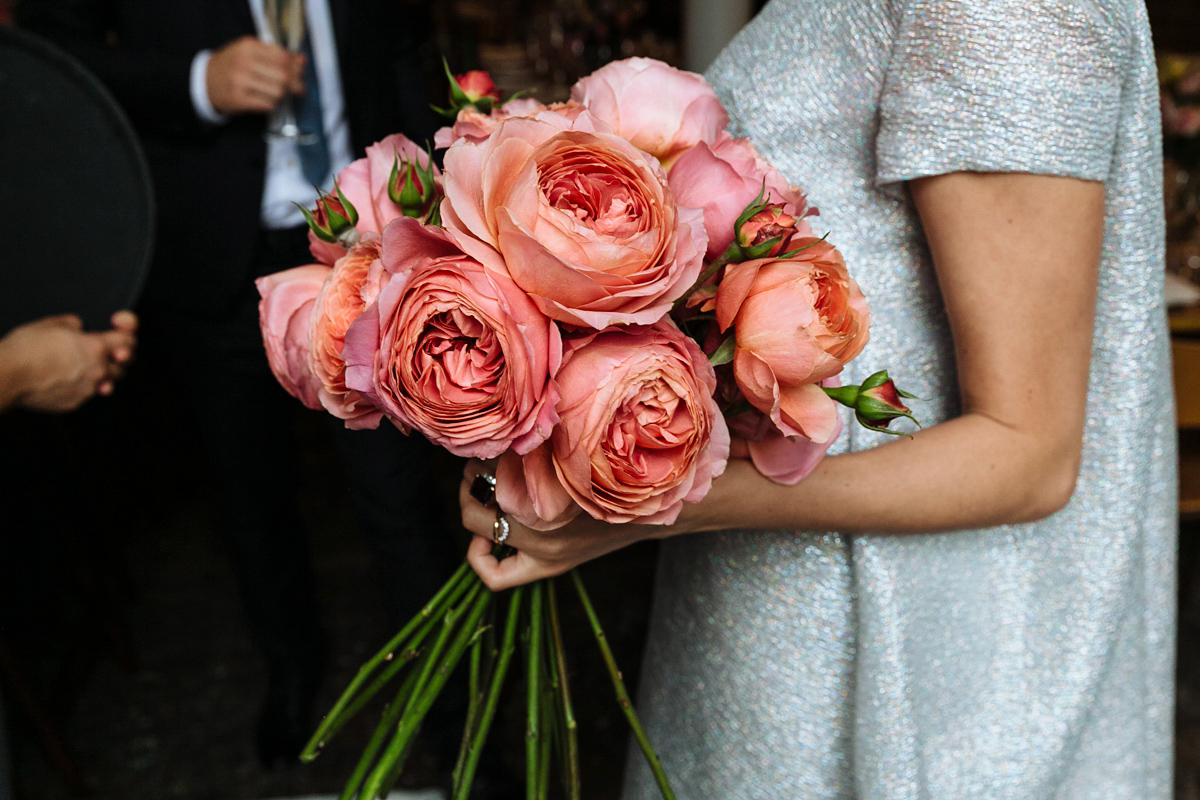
{"type": "Point", "coordinates": [246, 425]}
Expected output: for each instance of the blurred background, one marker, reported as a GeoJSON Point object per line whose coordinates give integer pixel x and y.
{"type": "Point", "coordinates": [125, 669]}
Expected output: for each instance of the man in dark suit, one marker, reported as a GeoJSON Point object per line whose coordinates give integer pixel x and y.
{"type": "Point", "coordinates": [198, 79]}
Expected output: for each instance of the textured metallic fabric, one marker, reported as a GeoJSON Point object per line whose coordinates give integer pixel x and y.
{"type": "Point", "coordinates": [1021, 662]}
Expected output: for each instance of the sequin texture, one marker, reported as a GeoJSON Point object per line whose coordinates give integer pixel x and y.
{"type": "Point", "coordinates": [1025, 661]}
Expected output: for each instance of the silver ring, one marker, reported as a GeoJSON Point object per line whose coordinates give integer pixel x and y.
{"type": "Point", "coordinates": [501, 528]}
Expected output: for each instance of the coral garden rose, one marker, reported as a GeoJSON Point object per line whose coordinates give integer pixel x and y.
{"type": "Point", "coordinates": [660, 109]}
{"type": "Point", "coordinates": [584, 220]}
{"type": "Point", "coordinates": [453, 348]}
{"type": "Point", "coordinates": [640, 433]}
{"type": "Point", "coordinates": [797, 322]}
{"type": "Point", "coordinates": [350, 287]}
{"type": "Point", "coordinates": [365, 182]}
{"type": "Point", "coordinates": [723, 179]}
{"type": "Point", "coordinates": [284, 313]}
{"type": "Point", "coordinates": [783, 459]}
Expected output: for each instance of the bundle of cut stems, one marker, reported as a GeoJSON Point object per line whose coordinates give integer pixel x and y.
{"type": "Point", "coordinates": [466, 620]}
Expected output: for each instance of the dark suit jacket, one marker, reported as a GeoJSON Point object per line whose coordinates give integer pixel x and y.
{"type": "Point", "coordinates": [209, 179]}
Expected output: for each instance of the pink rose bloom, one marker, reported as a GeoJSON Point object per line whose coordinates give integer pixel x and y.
{"type": "Point", "coordinates": [786, 460]}
{"type": "Point", "coordinates": [640, 433]}
{"type": "Point", "coordinates": [658, 108]}
{"type": "Point", "coordinates": [585, 221]}
{"type": "Point", "coordinates": [723, 179]}
{"type": "Point", "coordinates": [365, 182]}
{"type": "Point", "coordinates": [284, 313]}
{"type": "Point", "coordinates": [350, 288]}
{"type": "Point", "coordinates": [325, 252]}
{"type": "Point", "coordinates": [453, 348]}
{"type": "Point", "coordinates": [798, 322]}
{"type": "Point", "coordinates": [476, 126]}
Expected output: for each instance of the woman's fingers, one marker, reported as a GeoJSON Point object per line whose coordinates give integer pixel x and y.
{"type": "Point", "coordinates": [515, 570]}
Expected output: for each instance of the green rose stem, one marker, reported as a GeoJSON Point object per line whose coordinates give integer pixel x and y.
{"type": "Point", "coordinates": [436, 669]}
{"type": "Point", "coordinates": [475, 676]}
{"type": "Point", "coordinates": [390, 715]}
{"type": "Point", "coordinates": [411, 652]}
{"type": "Point", "coordinates": [622, 695]}
{"type": "Point", "coordinates": [547, 709]}
{"type": "Point", "coordinates": [437, 604]}
{"type": "Point", "coordinates": [567, 711]}
{"type": "Point", "coordinates": [533, 693]}
{"type": "Point", "coordinates": [462, 786]}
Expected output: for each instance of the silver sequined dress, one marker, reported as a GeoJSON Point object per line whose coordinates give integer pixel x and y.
{"type": "Point", "coordinates": [1023, 662]}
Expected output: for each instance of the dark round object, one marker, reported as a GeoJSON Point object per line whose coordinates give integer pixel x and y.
{"type": "Point", "coordinates": [76, 201]}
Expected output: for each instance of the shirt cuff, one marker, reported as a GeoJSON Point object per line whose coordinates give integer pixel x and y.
{"type": "Point", "coordinates": [198, 83]}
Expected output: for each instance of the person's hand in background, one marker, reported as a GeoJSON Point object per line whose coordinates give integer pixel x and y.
{"type": "Point", "coordinates": [248, 75]}
{"type": "Point", "coordinates": [53, 365]}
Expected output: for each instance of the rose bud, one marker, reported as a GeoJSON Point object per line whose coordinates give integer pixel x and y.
{"type": "Point", "coordinates": [365, 182]}
{"type": "Point", "coordinates": [474, 89]}
{"type": "Point", "coordinates": [767, 230]}
{"type": "Point", "coordinates": [876, 402]}
{"type": "Point", "coordinates": [412, 186]}
{"type": "Point", "coordinates": [477, 85]}
{"type": "Point", "coordinates": [334, 218]}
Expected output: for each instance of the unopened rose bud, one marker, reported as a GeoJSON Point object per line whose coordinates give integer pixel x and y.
{"type": "Point", "coordinates": [334, 218]}
{"type": "Point", "coordinates": [876, 402]}
{"type": "Point", "coordinates": [411, 186]}
{"type": "Point", "coordinates": [474, 89]}
{"type": "Point", "coordinates": [477, 85]}
{"type": "Point", "coordinates": [767, 232]}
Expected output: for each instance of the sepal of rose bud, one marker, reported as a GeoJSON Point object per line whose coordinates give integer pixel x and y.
{"type": "Point", "coordinates": [333, 218]}
{"type": "Point", "coordinates": [876, 402]}
{"type": "Point", "coordinates": [411, 186]}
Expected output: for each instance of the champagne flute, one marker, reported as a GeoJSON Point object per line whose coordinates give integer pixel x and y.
{"type": "Point", "coordinates": [286, 21]}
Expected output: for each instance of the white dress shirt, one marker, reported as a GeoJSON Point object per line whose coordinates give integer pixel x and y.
{"type": "Point", "coordinates": [285, 182]}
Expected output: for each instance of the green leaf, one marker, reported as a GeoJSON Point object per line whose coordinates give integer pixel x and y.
{"type": "Point", "coordinates": [724, 352]}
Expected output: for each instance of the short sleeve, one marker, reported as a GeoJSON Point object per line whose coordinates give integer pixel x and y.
{"type": "Point", "coordinates": [1001, 86]}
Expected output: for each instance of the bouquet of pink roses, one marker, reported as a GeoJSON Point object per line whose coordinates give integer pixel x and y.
{"type": "Point", "coordinates": [595, 293]}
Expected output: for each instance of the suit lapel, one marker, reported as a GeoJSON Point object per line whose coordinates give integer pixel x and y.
{"type": "Point", "coordinates": [239, 12]}
{"type": "Point", "coordinates": [339, 12]}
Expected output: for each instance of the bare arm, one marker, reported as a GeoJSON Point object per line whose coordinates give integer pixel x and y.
{"type": "Point", "coordinates": [1017, 259]}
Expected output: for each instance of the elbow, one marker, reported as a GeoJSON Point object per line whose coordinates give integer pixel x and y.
{"type": "Point", "coordinates": [1049, 484]}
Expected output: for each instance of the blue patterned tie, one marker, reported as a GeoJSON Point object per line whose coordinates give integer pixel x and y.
{"type": "Point", "coordinates": [314, 150]}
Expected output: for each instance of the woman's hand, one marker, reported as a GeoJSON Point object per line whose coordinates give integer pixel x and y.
{"type": "Point", "coordinates": [540, 554]}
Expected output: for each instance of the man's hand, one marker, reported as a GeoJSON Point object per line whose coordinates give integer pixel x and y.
{"type": "Point", "coordinates": [248, 75]}
{"type": "Point", "coordinates": [53, 365]}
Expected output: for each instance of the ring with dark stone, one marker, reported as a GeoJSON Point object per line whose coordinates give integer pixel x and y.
{"type": "Point", "coordinates": [483, 489]}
